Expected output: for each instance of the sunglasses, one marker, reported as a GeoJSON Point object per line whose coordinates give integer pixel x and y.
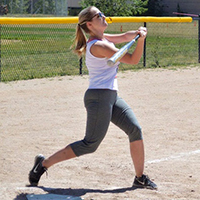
{"type": "Point", "coordinates": [99, 15]}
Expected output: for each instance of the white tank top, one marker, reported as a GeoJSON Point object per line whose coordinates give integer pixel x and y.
{"type": "Point", "coordinates": [101, 76]}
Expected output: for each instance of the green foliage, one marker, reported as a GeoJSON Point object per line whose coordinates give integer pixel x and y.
{"type": "Point", "coordinates": [118, 7]}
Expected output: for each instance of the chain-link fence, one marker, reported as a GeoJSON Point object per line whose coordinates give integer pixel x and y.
{"type": "Point", "coordinates": [35, 7]}
{"type": "Point", "coordinates": [43, 50]}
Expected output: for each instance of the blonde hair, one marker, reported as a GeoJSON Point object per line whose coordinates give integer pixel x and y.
{"type": "Point", "coordinates": [80, 39]}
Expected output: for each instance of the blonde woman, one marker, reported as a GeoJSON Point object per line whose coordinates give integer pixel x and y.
{"type": "Point", "coordinates": [101, 99]}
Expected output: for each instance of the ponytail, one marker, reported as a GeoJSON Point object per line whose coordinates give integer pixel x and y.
{"type": "Point", "coordinates": [80, 41]}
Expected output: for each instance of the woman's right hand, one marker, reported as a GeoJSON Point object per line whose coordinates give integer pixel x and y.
{"type": "Point", "coordinates": [142, 31]}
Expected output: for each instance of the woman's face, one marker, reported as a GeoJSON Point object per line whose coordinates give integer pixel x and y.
{"type": "Point", "coordinates": [98, 19]}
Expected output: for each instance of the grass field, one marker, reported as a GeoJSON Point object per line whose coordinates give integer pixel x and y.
{"type": "Point", "coordinates": [36, 51]}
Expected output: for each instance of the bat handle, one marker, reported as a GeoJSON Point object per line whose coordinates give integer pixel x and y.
{"type": "Point", "coordinates": [137, 36]}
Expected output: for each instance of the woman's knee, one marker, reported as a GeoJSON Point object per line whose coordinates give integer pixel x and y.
{"type": "Point", "coordinates": [91, 147]}
{"type": "Point", "coordinates": [135, 133]}
{"type": "Point", "coordinates": [84, 147]}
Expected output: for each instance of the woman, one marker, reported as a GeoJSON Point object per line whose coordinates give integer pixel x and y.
{"type": "Point", "coordinates": [101, 100]}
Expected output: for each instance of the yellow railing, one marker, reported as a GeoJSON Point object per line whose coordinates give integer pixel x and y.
{"type": "Point", "coordinates": [63, 20]}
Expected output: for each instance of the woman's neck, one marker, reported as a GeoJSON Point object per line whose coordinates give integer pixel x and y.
{"type": "Point", "coordinates": [97, 35]}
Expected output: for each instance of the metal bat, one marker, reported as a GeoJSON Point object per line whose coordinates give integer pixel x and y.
{"type": "Point", "coordinates": [118, 55]}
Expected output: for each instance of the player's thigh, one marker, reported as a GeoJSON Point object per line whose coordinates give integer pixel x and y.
{"type": "Point", "coordinates": [99, 105]}
{"type": "Point", "coordinates": [124, 117]}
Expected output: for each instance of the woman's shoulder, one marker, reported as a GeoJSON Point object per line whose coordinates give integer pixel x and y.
{"type": "Point", "coordinates": [101, 48]}
{"type": "Point", "coordinates": [99, 43]}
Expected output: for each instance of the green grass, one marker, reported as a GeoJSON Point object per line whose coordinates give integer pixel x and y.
{"type": "Point", "coordinates": [37, 51]}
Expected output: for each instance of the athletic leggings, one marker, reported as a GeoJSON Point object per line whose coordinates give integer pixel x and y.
{"type": "Point", "coordinates": [103, 106]}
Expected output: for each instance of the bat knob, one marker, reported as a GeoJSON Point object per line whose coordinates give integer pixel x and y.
{"type": "Point", "coordinates": [110, 63]}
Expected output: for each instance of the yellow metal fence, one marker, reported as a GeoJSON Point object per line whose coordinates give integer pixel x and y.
{"type": "Point", "coordinates": [40, 47]}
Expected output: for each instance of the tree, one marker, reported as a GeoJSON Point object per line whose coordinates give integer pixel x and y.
{"type": "Point", "coordinates": [118, 7]}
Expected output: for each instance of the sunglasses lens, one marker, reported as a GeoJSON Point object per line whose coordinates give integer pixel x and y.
{"type": "Point", "coordinates": [100, 15]}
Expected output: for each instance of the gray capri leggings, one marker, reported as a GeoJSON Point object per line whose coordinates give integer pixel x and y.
{"type": "Point", "coordinates": [103, 106]}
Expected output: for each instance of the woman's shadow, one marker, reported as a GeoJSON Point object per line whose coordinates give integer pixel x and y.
{"type": "Point", "coordinates": [83, 191]}
{"type": "Point", "coordinates": [75, 192]}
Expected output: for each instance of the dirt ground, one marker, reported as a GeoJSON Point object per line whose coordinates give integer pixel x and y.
{"type": "Point", "coordinates": [44, 115]}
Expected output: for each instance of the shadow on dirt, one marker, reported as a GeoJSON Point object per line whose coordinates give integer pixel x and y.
{"type": "Point", "coordinates": [75, 192]}
{"type": "Point", "coordinates": [21, 196]}
{"type": "Point", "coordinates": [83, 191]}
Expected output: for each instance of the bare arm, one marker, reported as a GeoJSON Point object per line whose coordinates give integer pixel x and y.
{"type": "Point", "coordinates": [102, 49]}
{"type": "Point", "coordinates": [135, 57]}
{"type": "Point", "coordinates": [120, 38]}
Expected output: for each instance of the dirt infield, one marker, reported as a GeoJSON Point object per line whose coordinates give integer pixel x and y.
{"type": "Point", "coordinates": [44, 115]}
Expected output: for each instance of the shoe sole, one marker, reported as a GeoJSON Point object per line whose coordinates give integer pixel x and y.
{"type": "Point", "coordinates": [144, 186]}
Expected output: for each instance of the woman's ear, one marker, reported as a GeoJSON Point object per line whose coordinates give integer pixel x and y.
{"type": "Point", "coordinates": [89, 24]}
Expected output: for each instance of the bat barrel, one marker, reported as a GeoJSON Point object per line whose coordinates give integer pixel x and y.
{"type": "Point", "coordinates": [118, 55]}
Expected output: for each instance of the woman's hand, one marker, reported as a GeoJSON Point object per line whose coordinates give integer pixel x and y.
{"type": "Point", "coordinates": [142, 31]}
